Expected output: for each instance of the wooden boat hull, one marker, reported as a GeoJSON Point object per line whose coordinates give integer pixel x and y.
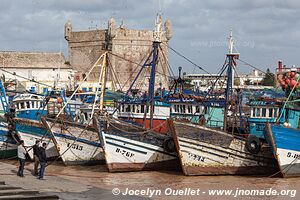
{"type": "Point", "coordinates": [76, 143]}
{"type": "Point", "coordinates": [131, 148]}
{"type": "Point", "coordinates": [204, 151]}
{"type": "Point", "coordinates": [285, 145]}
{"type": "Point", "coordinates": [31, 130]}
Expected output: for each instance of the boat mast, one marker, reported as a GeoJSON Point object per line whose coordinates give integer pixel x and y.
{"type": "Point", "coordinates": [156, 42]}
{"type": "Point", "coordinates": [230, 76]}
{"type": "Point", "coordinates": [103, 82]}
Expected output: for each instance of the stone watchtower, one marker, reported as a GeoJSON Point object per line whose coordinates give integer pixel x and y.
{"type": "Point", "coordinates": [85, 47]}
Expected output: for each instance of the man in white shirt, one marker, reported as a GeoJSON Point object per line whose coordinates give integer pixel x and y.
{"type": "Point", "coordinates": [21, 156]}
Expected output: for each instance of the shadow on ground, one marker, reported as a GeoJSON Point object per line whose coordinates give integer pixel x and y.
{"type": "Point", "coordinates": [95, 194]}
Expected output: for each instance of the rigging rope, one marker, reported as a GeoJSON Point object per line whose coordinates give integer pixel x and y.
{"type": "Point", "coordinates": [114, 74]}
{"type": "Point", "coordinates": [167, 61]}
{"type": "Point", "coordinates": [31, 80]}
{"type": "Point", "coordinates": [68, 101]}
{"type": "Point", "coordinates": [187, 59]}
{"type": "Point", "coordinates": [133, 62]}
{"type": "Point", "coordinates": [61, 154]}
{"type": "Point", "coordinates": [246, 63]}
{"type": "Point", "coordinates": [134, 71]}
{"type": "Point", "coordinates": [286, 167]}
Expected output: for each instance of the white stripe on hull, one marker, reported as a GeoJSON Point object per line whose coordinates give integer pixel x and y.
{"type": "Point", "coordinates": [196, 153]}
{"type": "Point", "coordinates": [128, 151]}
{"type": "Point", "coordinates": [79, 152]}
{"type": "Point", "coordinates": [289, 162]}
{"type": "Point", "coordinates": [6, 146]}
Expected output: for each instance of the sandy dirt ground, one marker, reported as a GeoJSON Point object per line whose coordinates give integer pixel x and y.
{"type": "Point", "coordinates": [94, 182]}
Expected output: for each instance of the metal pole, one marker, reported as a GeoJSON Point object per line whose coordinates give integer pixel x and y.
{"type": "Point", "coordinates": [152, 81]}
{"type": "Point", "coordinates": [103, 83]}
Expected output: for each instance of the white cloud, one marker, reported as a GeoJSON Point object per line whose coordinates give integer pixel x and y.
{"type": "Point", "coordinates": [267, 30]}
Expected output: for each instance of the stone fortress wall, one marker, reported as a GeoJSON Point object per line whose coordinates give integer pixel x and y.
{"type": "Point", "coordinates": [85, 47]}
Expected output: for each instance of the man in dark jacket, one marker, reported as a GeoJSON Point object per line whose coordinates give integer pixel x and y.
{"type": "Point", "coordinates": [43, 160]}
{"type": "Point", "coordinates": [36, 156]}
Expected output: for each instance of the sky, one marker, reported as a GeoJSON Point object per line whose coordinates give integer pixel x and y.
{"type": "Point", "coordinates": [265, 31]}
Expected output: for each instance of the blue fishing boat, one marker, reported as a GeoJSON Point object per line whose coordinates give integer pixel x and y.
{"type": "Point", "coordinates": [262, 111]}
{"type": "Point", "coordinates": [284, 136]}
{"type": "Point", "coordinates": [198, 109]}
{"type": "Point", "coordinates": [286, 149]}
{"type": "Point", "coordinates": [8, 144]}
{"type": "Point", "coordinates": [195, 106]}
{"type": "Point", "coordinates": [23, 122]}
{"type": "Point", "coordinates": [29, 106]}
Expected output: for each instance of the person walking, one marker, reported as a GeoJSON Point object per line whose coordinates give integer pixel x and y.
{"type": "Point", "coordinates": [43, 160]}
{"type": "Point", "coordinates": [21, 156]}
{"type": "Point", "coordinates": [36, 156]}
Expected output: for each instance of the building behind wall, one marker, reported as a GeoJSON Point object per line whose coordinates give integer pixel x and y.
{"type": "Point", "coordinates": [85, 47]}
{"type": "Point", "coordinates": [47, 68]}
{"type": "Point", "coordinates": [203, 82]}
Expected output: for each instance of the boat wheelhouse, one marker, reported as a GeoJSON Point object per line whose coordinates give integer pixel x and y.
{"type": "Point", "coordinates": [30, 106]}
{"type": "Point", "coordinates": [138, 113]}
{"type": "Point", "coordinates": [197, 110]}
{"type": "Point", "coordinates": [261, 112]}
{"type": "Point", "coordinates": [185, 108]}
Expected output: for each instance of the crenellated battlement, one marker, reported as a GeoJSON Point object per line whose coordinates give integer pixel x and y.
{"type": "Point", "coordinates": [86, 46]}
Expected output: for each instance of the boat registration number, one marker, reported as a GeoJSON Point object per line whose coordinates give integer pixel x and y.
{"type": "Point", "coordinates": [124, 152]}
{"type": "Point", "coordinates": [196, 157]}
{"type": "Point", "coordinates": [293, 155]}
{"type": "Point", "coordinates": [75, 146]}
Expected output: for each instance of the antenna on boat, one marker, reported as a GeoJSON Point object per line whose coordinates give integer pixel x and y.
{"type": "Point", "coordinates": [230, 75]}
{"type": "Point", "coordinates": [230, 43]}
{"type": "Point", "coordinates": [158, 28]}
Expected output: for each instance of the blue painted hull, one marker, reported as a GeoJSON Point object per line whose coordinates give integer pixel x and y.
{"type": "Point", "coordinates": [286, 149]}
{"type": "Point", "coordinates": [258, 126]}
{"type": "Point", "coordinates": [8, 147]}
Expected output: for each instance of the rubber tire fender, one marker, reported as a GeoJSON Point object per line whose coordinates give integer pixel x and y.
{"type": "Point", "coordinates": [253, 144]}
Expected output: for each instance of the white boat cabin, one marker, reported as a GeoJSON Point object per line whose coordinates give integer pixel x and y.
{"type": "Point", "coordinates": [135, 110]}
{"type": "Point", "coordinates": [186, 109]}
{"type": "Point", "coordinates": [264, 112]}
{"type": "Point", "coordinates": [28, 102]}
